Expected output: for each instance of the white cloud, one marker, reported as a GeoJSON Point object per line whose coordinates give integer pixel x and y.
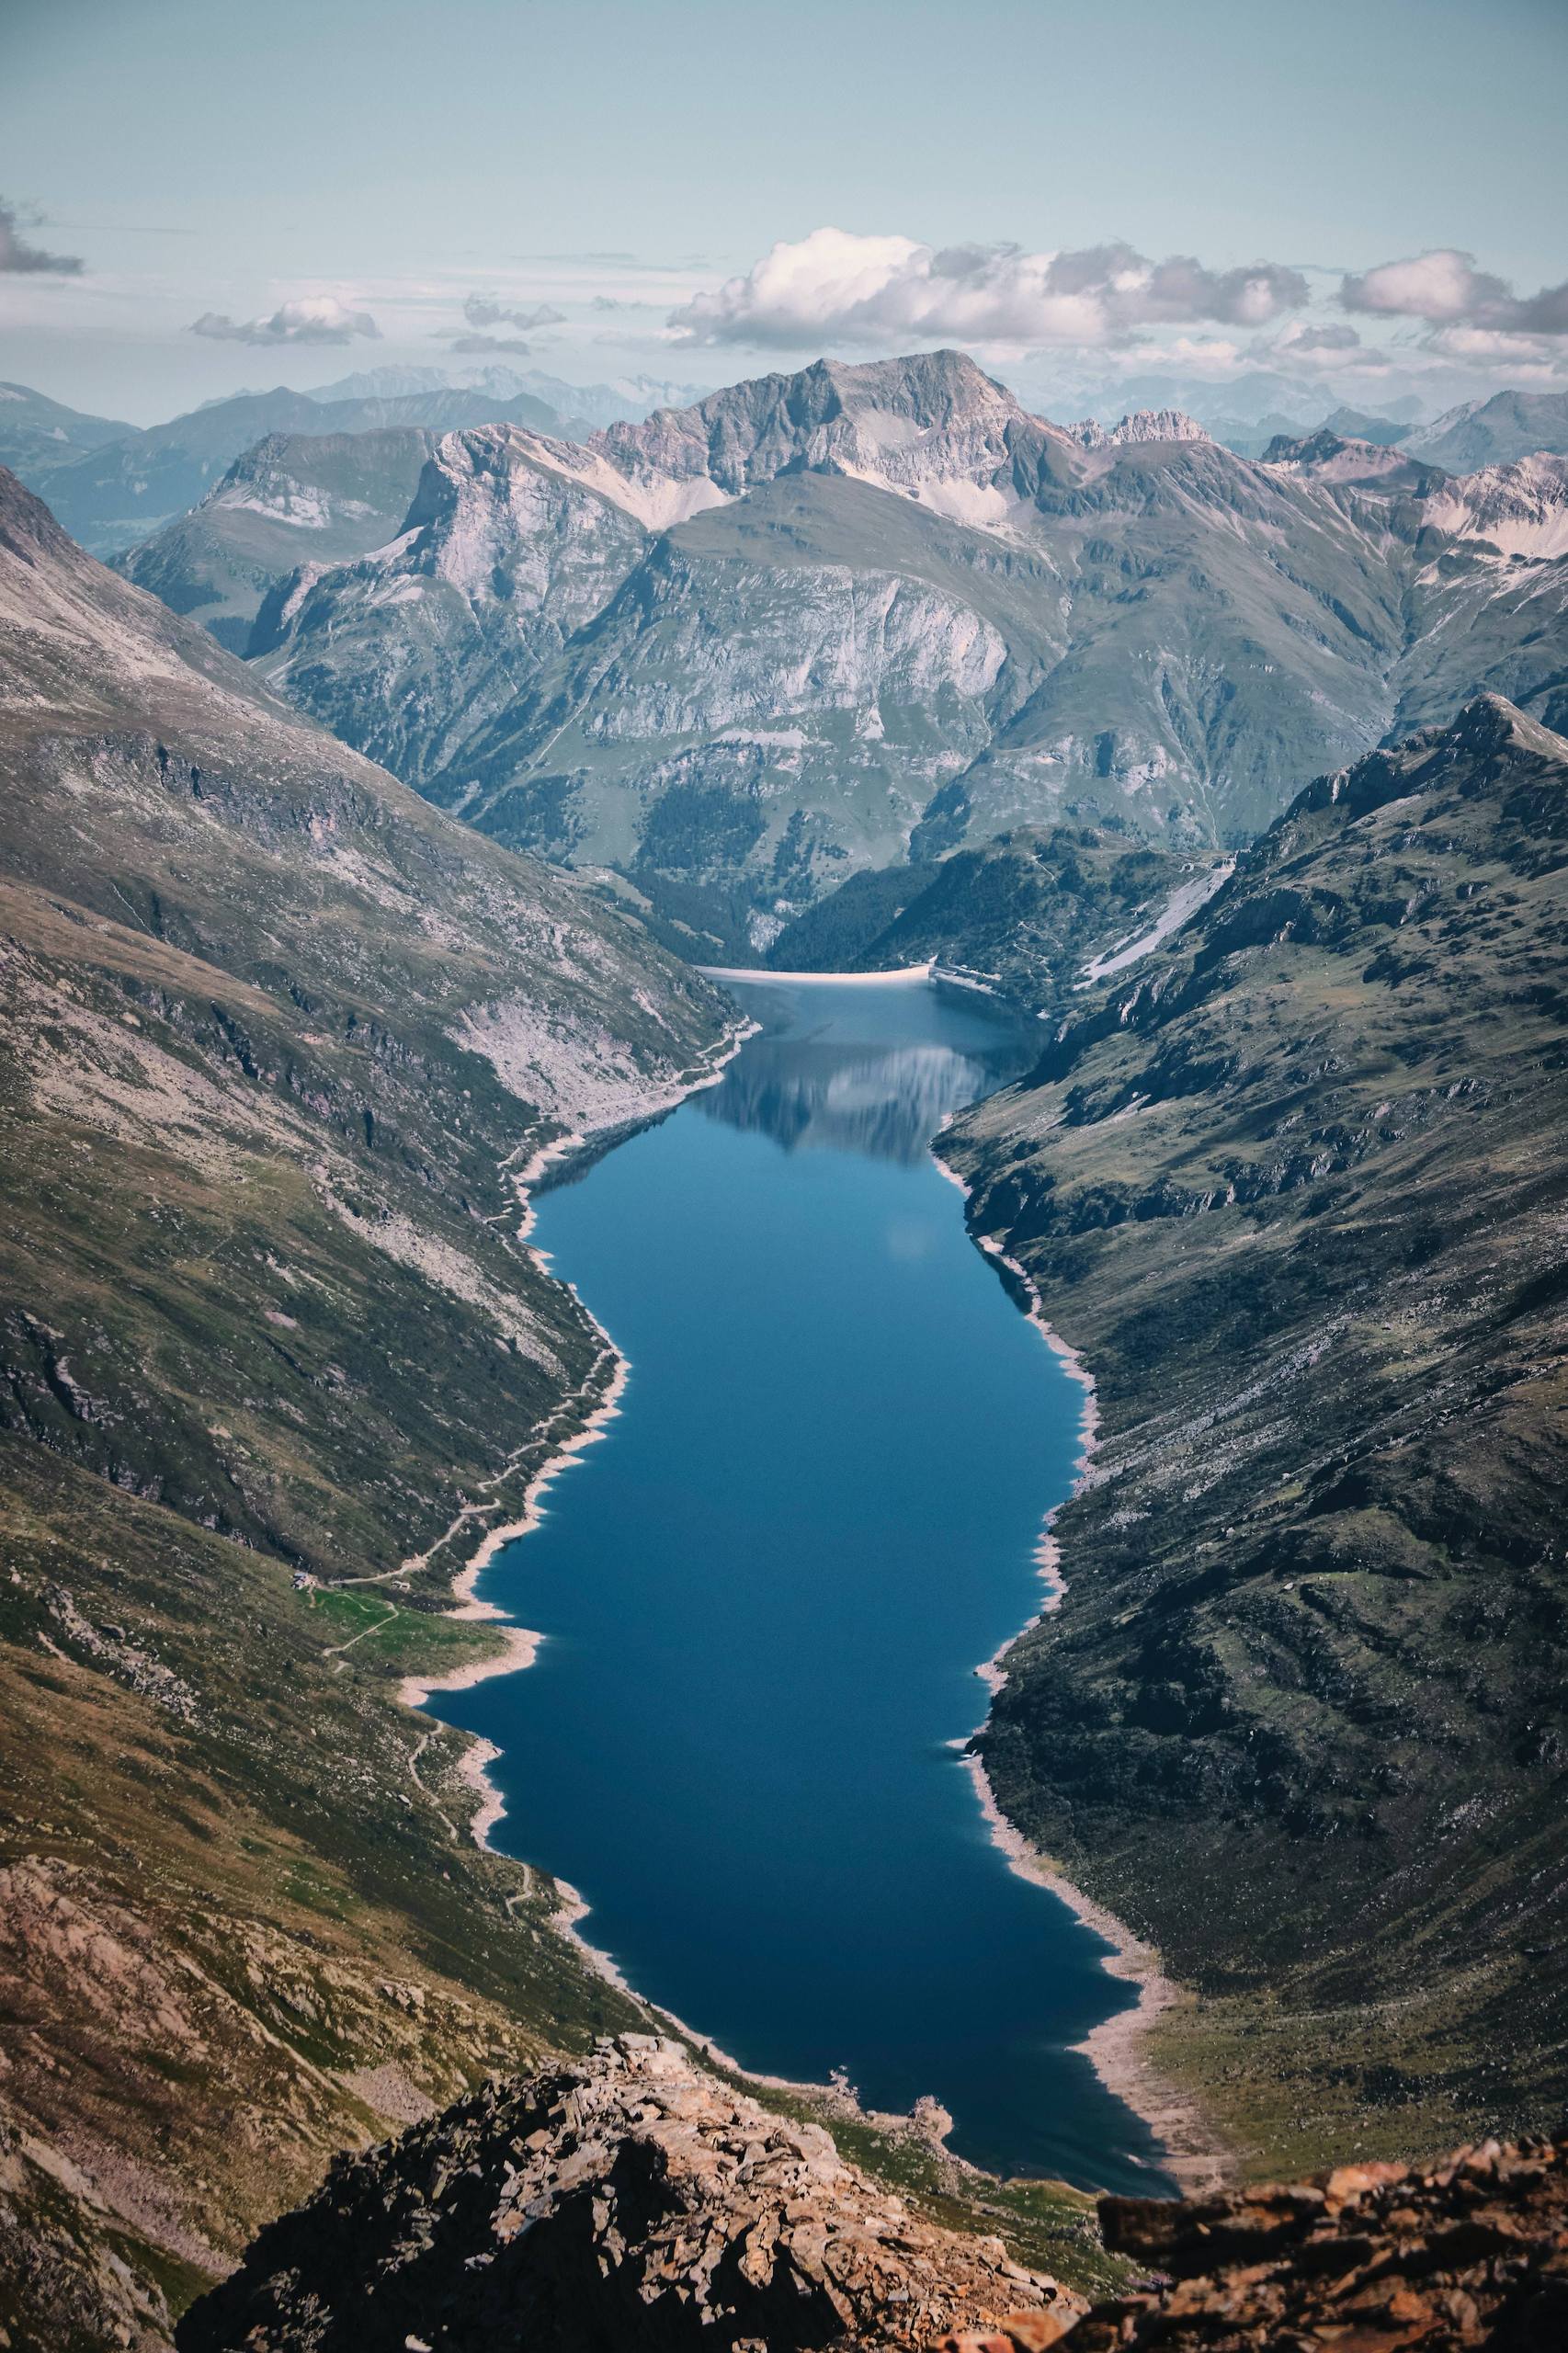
{"type": "Point", "coordinates": [836, 285]}
{"type": "Point", "coordinates": [313, 318]}
{"type": "Point", "coordinates": [19, 257]}
{"type": "Point", "coordinates": [481, 313]}
{"type": "Point", "coordinates": [1524, 357]}
{"type": "Point", "coordinates": [1445, 289]}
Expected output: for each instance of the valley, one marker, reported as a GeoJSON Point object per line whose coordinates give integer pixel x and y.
{"type": "Point", "coordinates": [352, 999]}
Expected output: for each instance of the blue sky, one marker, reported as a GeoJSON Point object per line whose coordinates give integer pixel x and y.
{"type": "Point", "coordinates": [295, 176]}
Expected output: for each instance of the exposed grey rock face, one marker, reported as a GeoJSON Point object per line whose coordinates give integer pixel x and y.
{"type": "Point", "coordinates": [631, 2202]}
{"type": "Point", "coordinates": [412, 649]}
{"type": "Point", "coordinates": [739, 652]}
{"type": "Point", "coordinates": [1144, 424]}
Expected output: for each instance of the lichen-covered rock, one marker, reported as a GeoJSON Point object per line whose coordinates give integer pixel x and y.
{"type": "Point", "coordinates": [632, 2200]}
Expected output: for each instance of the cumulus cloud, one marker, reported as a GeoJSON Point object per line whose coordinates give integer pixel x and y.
{"type": "Point", "coordinates": [481, 314]}
{"type": "Point", "coordinates": [17, 256]}
{"type": "Point", "coordinates": [315, 318]}
{"type": "Point", "coordinates": [491, 344]}
{"type": "Point", "coordinates": [1445, 289]}
{"type": "Point", "coordinates": [837, 286]}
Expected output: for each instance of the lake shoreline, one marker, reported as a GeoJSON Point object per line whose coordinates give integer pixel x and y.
{"type": "Point", "coordinates": [1117, 2049]}
{"type": "Point", "coordinates": [1113, 2047]}
{"type": "Point", "coordinates": [519, 1645]}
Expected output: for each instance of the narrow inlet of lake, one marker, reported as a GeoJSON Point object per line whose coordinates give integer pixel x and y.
{"type": "Point", "coordinates": [765, 1591]}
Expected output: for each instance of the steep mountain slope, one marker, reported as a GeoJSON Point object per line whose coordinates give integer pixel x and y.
{"type": "Point", "coordinates": [863, 612]}
{"type": "Point", "coordinates": [38, 434]}
{"type": "Point", "coordinates": [1493, 432]}
{"type": "Point", "coordinates": [408, 653]}
{"type": "Point", "coordinates": [1030, 915]}
{"type": "Point", "coordinates": [294, 499]}
{"type": "Point", "coordinates": [272, 1031]}
{"type": "Point", "coordinates": [126, 490]}
{"type": "Point", "coordinates": [1295, 1189]}
{"type": "Point", "coordinates": [769, 700]}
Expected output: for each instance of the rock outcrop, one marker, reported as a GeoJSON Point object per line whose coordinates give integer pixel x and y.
{"type": "Point", "coordinates": [632, 2200]}
{"type": "Point", "coordinates": [1374, 2258]}
{"type": "Point", "coordinates": [635, 2201]}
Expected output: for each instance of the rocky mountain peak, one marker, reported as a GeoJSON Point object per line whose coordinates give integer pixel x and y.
{"type": "Point", "coordinates": [902, 423]}
{"type": "Point", "coordinates": [1485, 751]}
{"type": "Point", "coordinates": [1142, 425]}
{"type": "Point", "coordinates": [631, 2199]}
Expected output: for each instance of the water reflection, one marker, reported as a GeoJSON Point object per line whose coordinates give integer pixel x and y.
{"type": "Point", "coordinates": [824, 1075]}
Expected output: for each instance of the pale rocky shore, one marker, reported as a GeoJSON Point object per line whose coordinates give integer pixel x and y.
{"type": "Point", "coordinates": [1117, 2049]}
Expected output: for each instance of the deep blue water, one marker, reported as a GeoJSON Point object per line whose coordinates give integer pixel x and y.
{"type": "Point", "coordinates": [765, 1591]}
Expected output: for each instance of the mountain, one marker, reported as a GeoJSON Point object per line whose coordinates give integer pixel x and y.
{"type": "Point", "coordinates": [1493, 432]}
{"type": "Point", "coordinates": [1144, 424]}
{"type": "Point", "coordinates": [130, 488]}
{"type": "Point", "coordinates": [714, 2224]}
{"type": "Point", "coordinates": [632, 2200]}
{"type": "Point", "coordinates": [291, 499]}
{"type": "Point", "coordinates": [411, 650]}
{"type": "Point", "coordinates": [1292, 1186]}
{"type": "Point", "coordinates": [1030, 916]}
{"type": "Point", "coordinates": [1358, 425]}
{"type": "Point", "coordinates": [587, 405]}
{"type": "Point", "coordinates": [276, 1039]}
{"type": "Point", "coordinates": [820, 623]}
{"type": "Point", "coordinates": [38, 434]}
{"type": "Point", "coordinates": [1330, 458]}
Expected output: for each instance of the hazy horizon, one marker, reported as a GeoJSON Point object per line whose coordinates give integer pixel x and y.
{"type": "Point", "coordinates": [607, 191]}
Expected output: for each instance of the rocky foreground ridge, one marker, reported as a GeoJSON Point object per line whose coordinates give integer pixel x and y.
{"type": "Point", "coordinates": [635, 2200]}
{"type": "Point", "coordinates": [1470, 2252]}
{"type": "Point", "coordinates": [631, 2201]}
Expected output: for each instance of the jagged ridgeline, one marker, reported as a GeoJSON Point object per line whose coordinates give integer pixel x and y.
{"type": "Point", "coordinates": [634, 2202]}
{"type": "Point", "coordinates": [733, 656]}
{"type": "Point", "coordinates": [271, 1030]}
{"type": "Point", "coordinates": [1294, 1187]}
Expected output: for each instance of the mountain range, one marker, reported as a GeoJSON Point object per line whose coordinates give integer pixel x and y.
{"type": "Point", "coordinates": [851, 668]}
{"type": "Point", "coordinates": [819, 624]}
{"type": "Point", "coordinates": [38, 435]}
{"type": "Point", "coordinates": [1493, 432]}
{"type": "Point", "coordinates": [124, 487]}
{"type": "Point", "coordinates": [596, 405]}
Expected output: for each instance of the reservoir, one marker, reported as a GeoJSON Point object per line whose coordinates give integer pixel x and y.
{"type": "Point", "coordinates": [763, 1592]}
